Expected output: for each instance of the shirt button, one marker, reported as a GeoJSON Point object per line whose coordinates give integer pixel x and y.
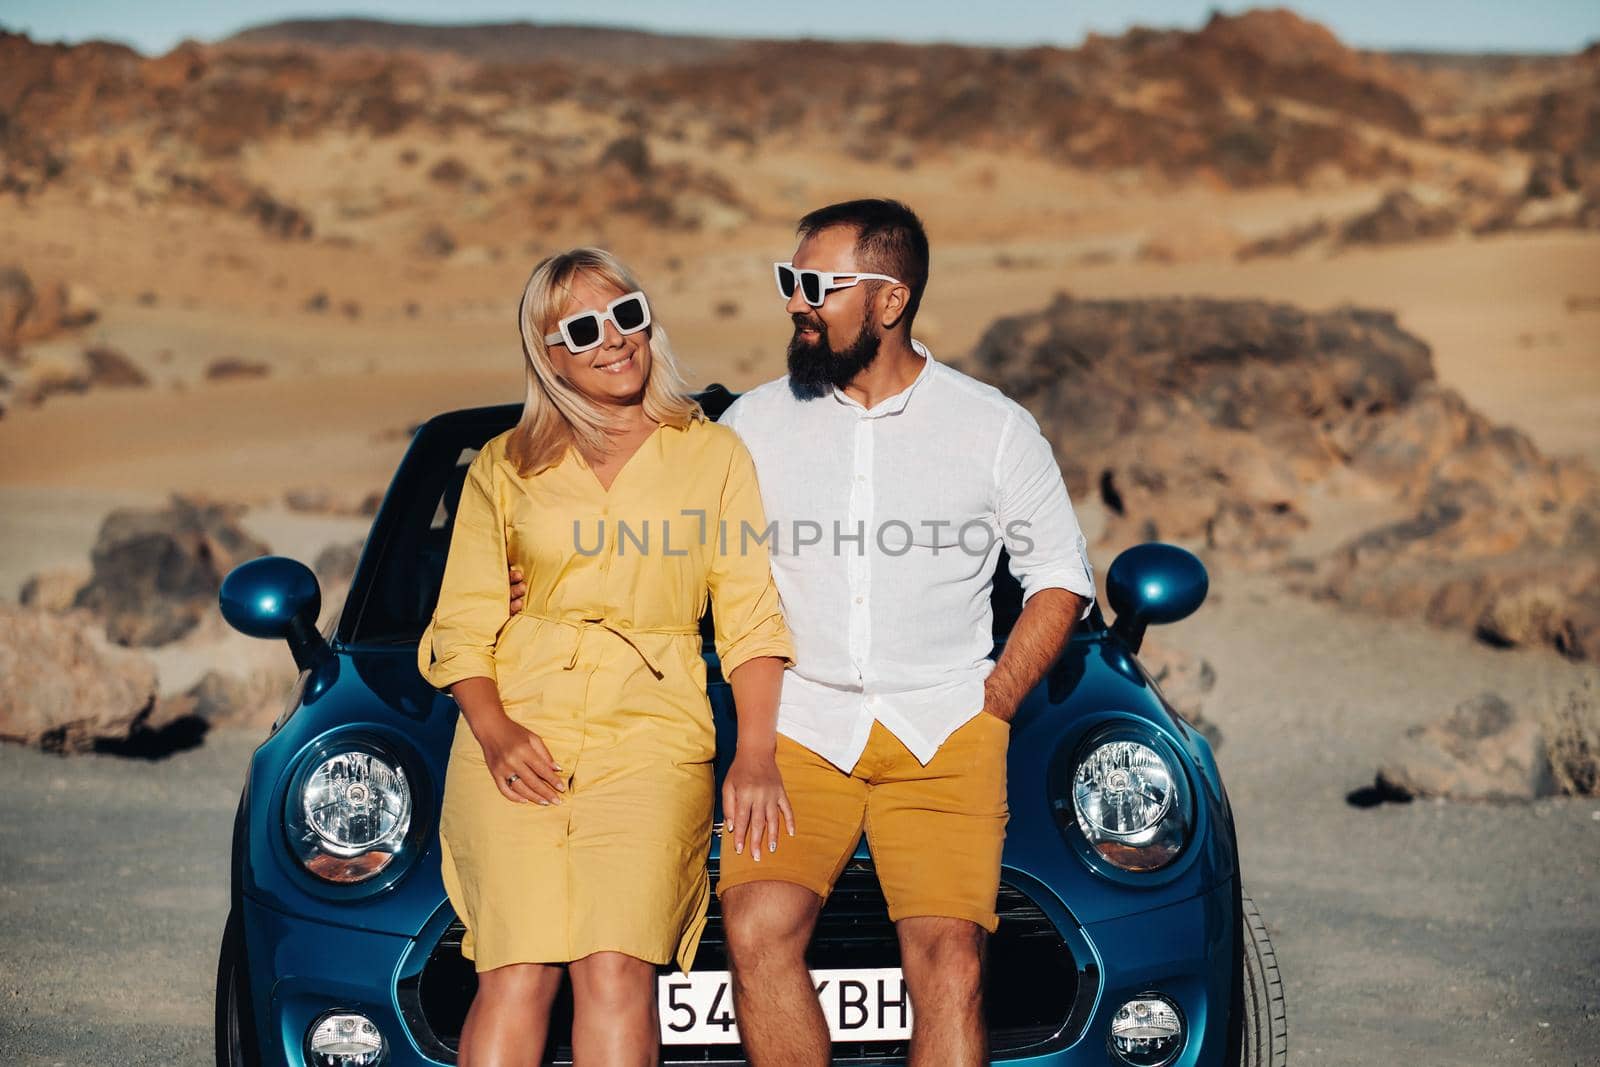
{"type": "Point", "coordinates": [861, 477]}
{"type": "Point", "coordinates": [858, 600]}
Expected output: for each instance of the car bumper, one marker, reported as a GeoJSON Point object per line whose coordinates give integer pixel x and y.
{"type": "Point", "coordinates": [301, 969]}
{"type": "Point", "coordinates": [1183, 951]}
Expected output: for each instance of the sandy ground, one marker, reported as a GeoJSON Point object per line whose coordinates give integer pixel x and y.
{"type": "Point", "coordinates": [1423, 934]}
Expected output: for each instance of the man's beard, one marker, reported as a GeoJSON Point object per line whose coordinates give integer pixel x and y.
{"type": "Point", "coordinates": [815, 368]}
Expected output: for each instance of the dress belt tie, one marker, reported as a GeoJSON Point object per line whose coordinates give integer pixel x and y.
{"type": "Point", "coordinates": [577, 626]}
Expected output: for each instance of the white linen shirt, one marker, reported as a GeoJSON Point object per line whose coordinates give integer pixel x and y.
{"type": "Point", "coordinates": [884, 528]}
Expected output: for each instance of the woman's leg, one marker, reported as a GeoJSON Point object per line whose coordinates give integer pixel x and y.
{"type": "Point", "coordinates": [614, 1019]}
{"type": "Point", "coordinates": [510, 1017]}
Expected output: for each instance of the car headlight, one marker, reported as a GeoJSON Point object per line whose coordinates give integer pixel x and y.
{"type": "Point", "coordinates": [348, 812]}
{"type": "Point", "coordinates": [1131, 802]}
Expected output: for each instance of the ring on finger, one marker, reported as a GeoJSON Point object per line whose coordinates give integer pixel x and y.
{"type": "Point", "coordinates": [513, 779]}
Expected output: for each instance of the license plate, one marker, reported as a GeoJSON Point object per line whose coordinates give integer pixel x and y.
{"type": "Point", "coordinates": [860, 1004]}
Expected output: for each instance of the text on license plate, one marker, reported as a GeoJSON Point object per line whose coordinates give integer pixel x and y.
{"type": "Point", "coordinates": [860, 1004]}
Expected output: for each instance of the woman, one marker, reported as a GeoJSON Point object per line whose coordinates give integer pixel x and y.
{"type": "Point", "coordinates": [577, 807]}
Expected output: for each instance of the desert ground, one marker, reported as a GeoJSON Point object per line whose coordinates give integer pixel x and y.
{"type": "Point", "coordinates": [1495, 311]}
{"type": "Point", "coordinates": [1433, 931]}
{"type": "Point", "coordinates": [1429, 933]}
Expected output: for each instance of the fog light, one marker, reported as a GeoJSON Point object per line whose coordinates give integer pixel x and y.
{"type": "Point", "coordinates": [345, 1039]}
{"type": "Point", "coordinates": [1147, 1031]}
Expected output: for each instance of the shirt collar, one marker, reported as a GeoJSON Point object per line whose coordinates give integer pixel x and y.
{"type": "Point", "coordinates": [894, 404]}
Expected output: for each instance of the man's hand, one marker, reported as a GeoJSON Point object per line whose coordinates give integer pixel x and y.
{"type": "Point", "coordinates": [519, 588]}
{"type": "Point", "coordinates": [754, 803]}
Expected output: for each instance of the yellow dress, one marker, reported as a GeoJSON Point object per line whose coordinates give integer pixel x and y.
{"type": "Point", "coordinates": [603, 663]}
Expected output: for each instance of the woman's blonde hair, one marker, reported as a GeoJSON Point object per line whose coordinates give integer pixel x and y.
{"type": "Point", "coordinates": [555, 414]}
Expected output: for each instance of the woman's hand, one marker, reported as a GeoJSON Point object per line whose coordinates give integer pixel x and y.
{"type": "Point", "coordinates": [510, 748]}
{"type": "Point", "coordinates": [753, 803]}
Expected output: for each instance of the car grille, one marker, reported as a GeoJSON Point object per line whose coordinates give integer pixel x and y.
{"type": "Point", "coordinates": [1037, 993]}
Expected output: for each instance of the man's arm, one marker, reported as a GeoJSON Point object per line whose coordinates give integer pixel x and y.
{"type": "Point", "coordinates": [1048, 556]}
{"type": "Point", "coordinates": [1040, 633]}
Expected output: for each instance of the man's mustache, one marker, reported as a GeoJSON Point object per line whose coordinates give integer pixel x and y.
{"type": "Point", "coordinates": [807, 322]}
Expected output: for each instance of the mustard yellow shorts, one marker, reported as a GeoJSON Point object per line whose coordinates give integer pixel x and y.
{"type": "Point", "coordinates": [935, 831]}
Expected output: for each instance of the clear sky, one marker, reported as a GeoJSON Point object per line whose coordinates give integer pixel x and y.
{"type": "Point", "coordinates": [1447, 25]}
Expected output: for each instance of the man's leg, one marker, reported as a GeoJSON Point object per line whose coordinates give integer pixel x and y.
{"type": "Point", "coordinates": [937, 831]}
{"type": "Point", "coordinates": [769, 925]}
{"type": "Point", "coordinates": [943, 959]}
{"type": "Point", "coordinates": [770, 907]}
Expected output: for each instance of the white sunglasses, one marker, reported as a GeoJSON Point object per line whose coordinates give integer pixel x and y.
{"type": "Point", "coordinates": [815, 285]}
{"type": "Point", "coordinates": [584, 330]}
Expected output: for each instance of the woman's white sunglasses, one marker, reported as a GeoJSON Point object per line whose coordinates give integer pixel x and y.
{"type": "Point", "coordinates": [815, 285]}
{"type": "Point", "coordinates": [584, 330]}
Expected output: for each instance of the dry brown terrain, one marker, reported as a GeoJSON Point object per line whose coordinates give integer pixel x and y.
{"type": "Point", "coordinates": [343, 216]}
{"type": "Point", "coordinates": [1511, 319]}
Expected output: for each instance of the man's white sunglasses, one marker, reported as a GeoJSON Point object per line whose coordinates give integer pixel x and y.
{"type": "Point", "coordinates": [815, 285]}
{"type": "Point", "coordinates": [584, 330]}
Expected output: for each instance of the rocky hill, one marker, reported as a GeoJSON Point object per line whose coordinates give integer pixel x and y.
{"type": "Point", "coordinates": [494, 42]}
{"type": "Point", "coordinates": [1261, 97]}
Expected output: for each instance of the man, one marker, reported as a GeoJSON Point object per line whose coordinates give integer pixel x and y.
{"type": "Point", "coordinates": [890, 482]}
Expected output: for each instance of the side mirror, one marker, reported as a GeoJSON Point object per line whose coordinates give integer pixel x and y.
{"type": "Point", "coordinates": [1153, 583]}
{"type": "Point", "coordinates": [275, 597]}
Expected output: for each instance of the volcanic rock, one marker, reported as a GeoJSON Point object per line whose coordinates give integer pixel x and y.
{"type": "Point", "coordinates": [1484, 750]}
{"type": "Point", "coordinates": [155, 573]}
{"type": "Point", "coordinates": [63, 690]}
{"type": "Point", "coordinates": [1214, 422]}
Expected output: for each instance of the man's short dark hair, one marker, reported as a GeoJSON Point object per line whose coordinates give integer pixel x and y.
{"type": "Point", "coordinates": [889, 240]}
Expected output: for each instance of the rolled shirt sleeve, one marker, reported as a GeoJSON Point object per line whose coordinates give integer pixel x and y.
{"type": "Point", "coordinates": [475, 594]}
{"type": "Point", "coordinates": [1037, 523]}
{"type": "Point", "coordinates": [744, 597]}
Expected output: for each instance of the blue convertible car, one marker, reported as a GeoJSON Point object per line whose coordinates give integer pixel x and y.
{"type": "Point", "coordinates": [1125, 937]}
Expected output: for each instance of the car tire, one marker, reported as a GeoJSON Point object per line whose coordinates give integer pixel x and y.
{"type": "Point", "coordinates": [1260, 1023]}
{"type": "Point", "coordinates": [236, 1045]}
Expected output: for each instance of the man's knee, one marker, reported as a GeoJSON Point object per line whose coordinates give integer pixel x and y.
{"type": "Point", "coordinates": [943, 953]}
{"type": "Point", "coordinates": [768, 919]}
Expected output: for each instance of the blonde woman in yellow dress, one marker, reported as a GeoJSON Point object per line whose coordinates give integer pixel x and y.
{"type": "Point", "coordinates": [578, 794]}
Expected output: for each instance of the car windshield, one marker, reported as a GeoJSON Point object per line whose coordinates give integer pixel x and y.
{"type": "Point", "coordinates": [397, 584]}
